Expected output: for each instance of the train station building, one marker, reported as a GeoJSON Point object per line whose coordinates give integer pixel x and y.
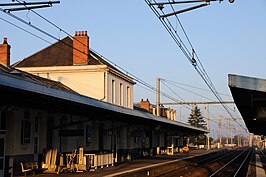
{"type": "Point", "coordinates": [65, 97]}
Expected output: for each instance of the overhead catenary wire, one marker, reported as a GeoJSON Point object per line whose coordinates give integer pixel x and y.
{"type": "Point", "coordinates": [191, 92]}
{"type": "Point", "coordinates": [191, 86]}
{"type": "Point", "coordinates": [25, 30]}
{"type": "Point", "coordinates": [172, 90]}
{"type": "Point", "coordinates": [137, 79]}
{"type": "Point", "coordinates": [190, 57]}
{"type": "Point", "coordinates": [173, 84]}
{"type": "Point", "coordinates": [176, 95]}
{"type": "Point", "coordinates": [37, 36]}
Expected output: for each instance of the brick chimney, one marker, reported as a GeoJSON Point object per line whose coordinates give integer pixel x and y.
{"type": "Point", "coordinates": [145, 104]}
{"type": "Point", "coordinates": [80, 48]}
{"type": "Point", "coordinates": [5, 53]}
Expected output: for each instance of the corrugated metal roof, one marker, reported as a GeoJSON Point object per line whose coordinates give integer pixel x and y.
{"type": "Point", "coordinates": [249, 94]}
{"type": "Point", "coordinates": [245, 82]}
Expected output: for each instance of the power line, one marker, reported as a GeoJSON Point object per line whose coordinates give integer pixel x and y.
{"type": "Point", "coordinates": [191, 92]}
{"type": "Point", "coordinates": [172, 90]}
{"type": "Point", "coordinates": [176, 95]}
{"type": "Point", "coordinates": [169, 81]}
{"type": "Point", "coordinates": [55, 38]}
{"type": "Point", "coordinates": [190, 57]}
{"type": "Point", "coordinates": [25, 30]}
{"type": "Point", "coordinates": [172, 83]}
{"type": "Point", "coordinates": [42, 31]}
{"type": "Point", "coordinates": [137, 79]}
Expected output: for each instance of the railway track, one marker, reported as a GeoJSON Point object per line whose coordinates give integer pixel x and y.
{"type": "Point", "coordinates": [237, 166]}
{"type": "Point", "coordinates": [232, 163]}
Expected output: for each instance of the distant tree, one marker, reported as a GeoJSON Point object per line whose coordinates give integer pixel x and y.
{"type": "Point", "coordinates": [196, 119]}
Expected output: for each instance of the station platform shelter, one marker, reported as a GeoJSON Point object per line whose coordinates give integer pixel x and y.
{"type": "Point", "coordinates": [38, 114]}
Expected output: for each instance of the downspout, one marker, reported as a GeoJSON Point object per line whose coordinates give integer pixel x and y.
{"type": "Point", "coordinates": [104, 85]}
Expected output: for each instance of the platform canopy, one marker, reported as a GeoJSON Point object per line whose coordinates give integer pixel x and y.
{"type": "Point", "coordinates": [19, 88]}
{"type": "Point", "coordinates": [250, 98]}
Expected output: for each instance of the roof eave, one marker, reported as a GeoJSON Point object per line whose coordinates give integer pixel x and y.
{"type": "Point", "coordinates": [22, 84]}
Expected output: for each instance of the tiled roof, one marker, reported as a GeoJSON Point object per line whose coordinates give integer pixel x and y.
{"type": "Point", "coordinates": [59, 54]}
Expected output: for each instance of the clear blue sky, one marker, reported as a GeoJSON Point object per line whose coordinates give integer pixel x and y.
{"type": "Point", "coordinates": [229, 38]}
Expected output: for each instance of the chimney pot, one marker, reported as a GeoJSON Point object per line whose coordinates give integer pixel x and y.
{"type": "Point", "coordinates": [80, 48]}
{"type": "Point", "coordinates": [5, 53]}
{"type": "Point", "coordinates": [5, 40]}
{"type": "Point", "coordinates": [86, 33]}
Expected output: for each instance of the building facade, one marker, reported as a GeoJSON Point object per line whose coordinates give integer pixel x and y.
{"type": "Point", "coordinates": [45, 110]}
{"type": "Point", "coordinates": [72, 63]}
{"type": "Point", "coordinates": [165, 112]}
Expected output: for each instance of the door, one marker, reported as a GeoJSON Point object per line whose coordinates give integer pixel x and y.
{"type": "Point", "coordinates": [2, 141]}
{"type": "Point", "coordinates": [2, 154]}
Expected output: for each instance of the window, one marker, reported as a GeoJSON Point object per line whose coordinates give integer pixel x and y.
{"type": "Point", "coordinates": [113, 91]}
{"type": "Point", "coordinates": [26, 114]}
{"type": "Point", "coordinates": [3, 121]}
{"type": "Point", "coordinates": [2, 153]}
{"type": "Point", "coordinates": [25, 132]}
{"type": "Point", "coordinates": [36, 145]}
{"type": "Point", "coordinates": [128, 98]}
{"type": "Point", "coordinates": [2, 147]}
{"type": "Point", "coordinates": [121, 95]}
{"type": "Point", "coordinates": [88, 134]}
{"type": "Point", "coordinates": [36, 124]}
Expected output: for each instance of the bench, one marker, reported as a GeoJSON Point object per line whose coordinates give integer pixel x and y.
{"type": "Point", "coordinates": [24, 170]}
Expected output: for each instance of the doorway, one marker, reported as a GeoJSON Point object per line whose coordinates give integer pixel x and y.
{"type": "Point", "coordinates": [2, 154]}
{"type": "Point", "coordinates": [2, 141]}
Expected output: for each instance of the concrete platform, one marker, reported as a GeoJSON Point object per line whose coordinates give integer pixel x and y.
{"type": "Point", "coordinates": [131, 166]}
{"type": "Point", "coordinates": [260, 163]}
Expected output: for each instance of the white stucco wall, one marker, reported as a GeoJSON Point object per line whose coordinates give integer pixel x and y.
{"type": "Point", "coordinates": [84, 80]}
{"type": "Point", "coordinates": [120, 86]}
{"type": "Point", "coordinates": [90, 80]}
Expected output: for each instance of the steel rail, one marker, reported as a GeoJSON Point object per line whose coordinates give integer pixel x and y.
{"type": "Point", "coordinates": [201, 162]}
{"type": "Point", "coordinates": [262, 153]}
{"type": "Point", "coordinates": [227, 163]}
{"type": "Point", "coordinates": [240, 167]}
{"type": "Point", "coordinates": [223, 156]}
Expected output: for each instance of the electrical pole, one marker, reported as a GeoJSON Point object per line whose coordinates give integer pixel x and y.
{"type": "Point", "coordinates": [208, 125]}
{"type": "Point", "coordinates": [227, 133]}
{"type": "Point", "coordinates": [240, 138]}
{"type": "Point", "coordinates": [220, 129]}
{"type": "Point", "coordinates": [207, 114]}
{"type": "Point", "coordinates": [158, 97]}
{"type": "Point", "coordinates": [230, 126]}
